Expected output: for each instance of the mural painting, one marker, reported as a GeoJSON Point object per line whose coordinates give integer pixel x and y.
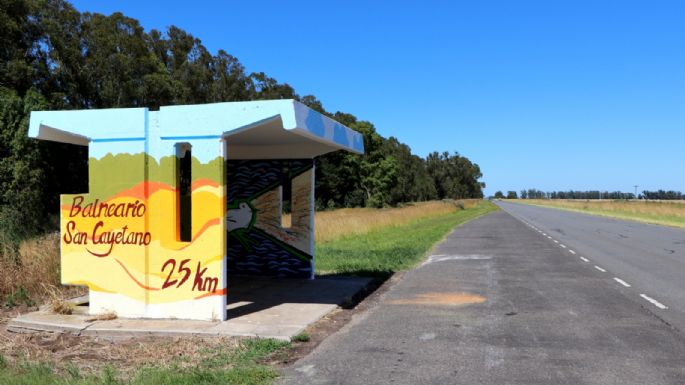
{"type": "Point", "coordinates": [257, 242]}
{"type": "Point", "coordinates": [124, 239]}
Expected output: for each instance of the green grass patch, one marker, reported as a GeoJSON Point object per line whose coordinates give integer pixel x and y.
{"type": "Point", "coordinates": [220, 365]}
{"type": "Point", "coordinates": [383, 252]}
{"type": "Point", "coordinates": [302, 337]}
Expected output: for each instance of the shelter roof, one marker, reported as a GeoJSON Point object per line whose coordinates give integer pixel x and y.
{"type": "Point", "coordinates": [265, 129]}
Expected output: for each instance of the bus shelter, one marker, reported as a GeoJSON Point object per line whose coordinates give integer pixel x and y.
{"type": "Point", "coordinates": [181, 198]}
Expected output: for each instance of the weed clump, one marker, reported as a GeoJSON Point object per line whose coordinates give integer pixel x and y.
{"type": "Point", "coordinates": [19, 297]}
{"type": "Point", "coordinates": [302, 337]}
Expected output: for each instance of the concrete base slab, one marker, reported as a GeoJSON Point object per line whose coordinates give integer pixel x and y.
{"type": "Point", "coordinates": [257, 307]}
{"type": "Point", "coordinates": [45, 321]}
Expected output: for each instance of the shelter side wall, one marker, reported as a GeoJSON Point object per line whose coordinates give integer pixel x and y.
{"type": "Point", "coordinates": [104, 233]}
{"type": "Point", "coordinates": [122, 238]}
{"type": "Point", "coordinates": [189, 275]}
{"type": "Point", "coordinates": [258, 244]}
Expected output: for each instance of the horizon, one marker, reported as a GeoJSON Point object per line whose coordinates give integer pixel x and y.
{"type": "Point", "coordinates": [545, 96]}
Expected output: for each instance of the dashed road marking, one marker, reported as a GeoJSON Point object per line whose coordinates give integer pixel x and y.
{"type": "Point", "coordinates": [555, 241]}
{"type": "Point", "coordinates": [544, 234]}
{"type": "Point", "coordinates": [584, 259]}
{"type": "Point", "coordinates": [600, 269]}
{"type": "Point", "coordinates": [622, 282]}
{"type": "Point", "coordinates": [549, 237]}
{"type": "Point", "coordinates": [562, 245]}
{"type": "Point", "coordinates": [654, 302]}
{"type": "Point", "coordinates": [571, 251]}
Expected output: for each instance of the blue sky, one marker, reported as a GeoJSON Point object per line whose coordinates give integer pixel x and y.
{"type": "Point", "coordinates": [554, 95]}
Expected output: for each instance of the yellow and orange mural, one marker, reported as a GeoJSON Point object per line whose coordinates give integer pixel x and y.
{"type": "Point", "coordinates": [124, 241]}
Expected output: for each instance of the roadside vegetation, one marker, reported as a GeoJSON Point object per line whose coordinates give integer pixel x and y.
{"type": "Point", "coordinates": [150, 362]}
{"type": "Point", "coordinates": [667, 213]}
{"type": "Point", "coordinates": [333, 224]}
{"type": "Point", "coordinates": [31, 274]}
{"type": "Point", "coordinates": [382, 251]}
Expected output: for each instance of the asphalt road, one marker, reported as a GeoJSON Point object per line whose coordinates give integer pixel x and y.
{"type": "Point", "coordinates": [499, 303]}
{"type": "Point", "coordinates": [649, 258]}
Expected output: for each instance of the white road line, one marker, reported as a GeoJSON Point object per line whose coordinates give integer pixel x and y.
{"type": "Point", "coordinates": [654, 302]}
{"type": "Point", "coordinates": [562, 245]}
{"type": "Point", "coordinates": [622, 282]}
{"type": "Point", "coordinates": [544, 234]}
{"type": "Point", "coordinates": [571, 251]}
{"type": "Point", "coordinates": [555, 241]}
{"type": "Point", "coordinates": [549, 237]}
{"type": "Point", "coordinates": [600, 269]}
{"type": "Point", "coordinates": [584, 259]}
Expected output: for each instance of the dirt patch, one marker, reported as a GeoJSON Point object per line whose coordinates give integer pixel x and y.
{"type": "Point", "coordinates": [441, 299]}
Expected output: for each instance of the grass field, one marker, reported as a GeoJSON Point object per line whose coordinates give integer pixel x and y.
{"type": "Point", "coordinates": [337, 223]}
{"type": "Point", "coordinates": [667, 213]}
{"type": "Point", "coordinates": [367, 242]}
{"type": "Point", "coordinates": [383, 251]}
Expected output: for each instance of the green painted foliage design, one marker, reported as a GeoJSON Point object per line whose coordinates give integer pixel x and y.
{"type": "Point", "coordinates": [113, 173]}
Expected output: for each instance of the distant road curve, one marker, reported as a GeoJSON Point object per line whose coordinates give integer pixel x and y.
{"type": "Point", "coordinates": [648, 261]}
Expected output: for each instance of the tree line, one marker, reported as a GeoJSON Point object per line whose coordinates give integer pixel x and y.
{"type": "Point", "coordinates": [592, 194]}
{"type": "Point", "coordinates": [53, 57]}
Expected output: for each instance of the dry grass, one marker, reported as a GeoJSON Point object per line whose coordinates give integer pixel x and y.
{"type": "Point", "coordinates": [35, 270]}
{"type": "Point", "coordinates": [108, 316]}
{"type": "Point", "coordinates": [61, 306]}
{"type": "Point", "coordinates": [58, 304]}
{"type": "Point", "coordinates": [669, 213]}
{"type": "Point", "coordinates": [335, 224]}
{"type": "Point", "coordinates": [90, 355]}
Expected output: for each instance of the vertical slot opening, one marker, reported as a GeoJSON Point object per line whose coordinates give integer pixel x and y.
{"type": "Point", "coordinates": [286, 198]}
{"type": "Point", "coordinates": [183, 189]}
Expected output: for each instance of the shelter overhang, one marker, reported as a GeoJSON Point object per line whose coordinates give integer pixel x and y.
{"type": "Point", "coordinates": [267, 129]}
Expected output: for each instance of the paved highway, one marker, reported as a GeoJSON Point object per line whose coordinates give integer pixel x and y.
{"type": "Point", "coordinates": [500, 303]}
{"type": "Point", "coordinates": [648, 258]}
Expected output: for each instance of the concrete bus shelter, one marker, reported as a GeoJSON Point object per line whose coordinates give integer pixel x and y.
{"type": "Point", "coordinates": [181, 198]}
